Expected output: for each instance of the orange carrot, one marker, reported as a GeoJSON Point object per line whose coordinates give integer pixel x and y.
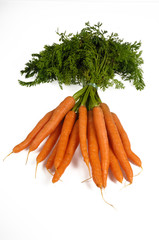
{"type": "Point", "coordinates": [64, 137]}
{"type": "Point", "coordinates": [83, 134]}
{"type": "Point", "coordinates": [49, 144]}
{"type": "Point", "coordinates": [126, 143]}
{"type": "Point", "coordinates": [51, 125]}
{"type": "Point", "coordinates": [94, 152]}
{"type": "Point", "coordinates": [101, 132]}
{"type": "Point", "coordinates": [50, 160]}
{"type": "Point", "coordinates": [71, 148]}
{"type": "Point", "coordinates": [116, 142]}
{"type": "Point", "coordinates": [21, 146]}
{"type": "Point", "coordinates": [115, 167]}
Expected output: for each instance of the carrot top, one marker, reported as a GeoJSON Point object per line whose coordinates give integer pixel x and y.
{"type": "Point", "coordinates": [89, 56]}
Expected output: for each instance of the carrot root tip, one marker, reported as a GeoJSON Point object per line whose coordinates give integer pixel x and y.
{"type": "Point", "coordinates": [36, 169]}
{"type": "Point", "coordinates": [87, 179]}
{"type": "Point", "coordinates": [50, 171]}
{"type": "Point", "coordinates": [27, 157]}
{"type": "Point", "coordinates": [139, 172]}
{"type": "Point", "coordinates": [7, 155]}
{"type": "Point", "coordinates": [105, 200]}
{"type": "Point", "coordinates": [89, 172]}
{"type": "Point", "coordinates": [126, 185]}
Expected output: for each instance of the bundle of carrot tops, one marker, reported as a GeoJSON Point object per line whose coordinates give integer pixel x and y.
{"type": "Point", "coordinates": [93, 59]}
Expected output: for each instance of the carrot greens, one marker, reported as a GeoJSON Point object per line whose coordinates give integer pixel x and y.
{"type": "Point", "coordinates": [89, 56]}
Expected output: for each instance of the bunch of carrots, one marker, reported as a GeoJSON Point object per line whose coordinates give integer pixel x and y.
{"type": "Point", "coordinates": [83, 119]}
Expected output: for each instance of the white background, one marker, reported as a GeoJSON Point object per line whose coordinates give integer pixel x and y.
{"type": "Point", "coordinates": [35, 208]}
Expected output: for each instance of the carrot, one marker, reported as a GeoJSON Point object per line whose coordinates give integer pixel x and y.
{"type": "Point", "coordinates": [21, 146]}
{"type": "Point", "coordinates": [51, 125]}
{"type": "Point", "coordinates": [126, 143]}
{"type": "Point", "coordinates": [83, 134]}
{"type": "Point", "coordinates": [116, 142]}
{"type": "Point", "coordinates": [64, 137]}
{"type": "Point", "coordinates": [49, 144]}
{"type": "Point", "coordinates": [50, 160]}
{"type": "Point", "coordinates": [94, 152]}
{"type": "Point", "coordinates": [114, 166]}
{"type": "Point", "coordinates": [101, 132]}
{"type": "Point", "coordinates": [71, 148]}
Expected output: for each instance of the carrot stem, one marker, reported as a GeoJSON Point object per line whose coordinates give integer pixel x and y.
{"type": "Point", "coordinates": [97, 97]}
{"type": "Point", "coordinates": [86, 96]}
{"type": "Point", "coordinates": [78, 94]}
{"type": "Point", "coordinates": [77, 105]}
{"type": "Point", "coordinates": [94, 99]}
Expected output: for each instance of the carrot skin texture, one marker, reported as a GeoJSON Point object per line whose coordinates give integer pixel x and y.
{"type": "Point", "coordinates": [50, 160]}
{"type": "Point", "coordinates": [71, 148]}
{"type": "Point", "coordinates": [24, 144]}
{"type": "Point", "coordinates": [49, 144]}
{"type": "Point", "coordinates": [83, 134]}
{"type": "Point", "coordinates": [115, 167]}
{"type": "Point", "coordinates": [59, 113]}
{"type": "Point", "coordinates": [101, 132]}
{"type": "Point", "coordinates": [126, 142]}
{"type": "Point", "coordinates": [64, 137]}
{"type": "Point", "coordinates": [116, 143]}
{"type": "Point", "coordinates": [93, 151]}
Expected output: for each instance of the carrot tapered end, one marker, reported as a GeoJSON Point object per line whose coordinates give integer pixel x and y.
{"type": "Point", "coordinates": [54, 180]}
{"type": "Point", "coordinates": [120, 179]}
{"type": "Point", "coordinates": [89, 170]}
